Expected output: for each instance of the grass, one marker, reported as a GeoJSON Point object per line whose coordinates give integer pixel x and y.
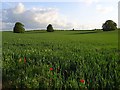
{"type": "Point", "coordinates": [73, 55]}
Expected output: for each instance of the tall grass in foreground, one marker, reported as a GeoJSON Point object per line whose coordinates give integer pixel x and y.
{"type": "Point", "coordinates": [61, 60]}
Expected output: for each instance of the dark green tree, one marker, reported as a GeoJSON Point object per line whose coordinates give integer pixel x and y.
{"type": "Point", "coordinates": [109, 25]}
{"type": "Point", "coordinates": [18, 28]}
{"type": "Point", "coordinates": [50, 28]}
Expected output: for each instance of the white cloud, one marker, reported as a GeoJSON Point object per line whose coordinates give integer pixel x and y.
{"type": "Point", "coordinates": [104, 10]}
{"type": "Point", "coordinates": [89, 2]}
{"type": "Point", "coordinates": [52, 0]}
{"type": "Point", "coordinates": [19, 8]}
{"type": "Point", "coordinates": [35, 18]}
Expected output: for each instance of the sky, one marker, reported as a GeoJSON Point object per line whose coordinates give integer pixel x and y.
{"type": "Point", "coordinates": [69, 14]}
{"type": "Point", "coordinates": [119, 14]}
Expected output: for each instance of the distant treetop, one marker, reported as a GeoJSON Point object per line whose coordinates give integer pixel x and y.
{"type": "Point", "coordinates": [18, 28]}
{"type": "Point", "coordinates": [50, 28]}
{"type": "Point", "coordinates": [109, 25]}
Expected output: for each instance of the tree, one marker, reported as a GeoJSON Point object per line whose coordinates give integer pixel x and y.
{"type": "Point", "coordinates": [50, 28]}
{"type": "Point", "coordinates": [109, 25]}
{"type": "Point", "coordinates": [18, 28]}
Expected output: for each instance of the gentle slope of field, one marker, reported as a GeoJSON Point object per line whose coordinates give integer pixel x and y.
{"type": "Point", "coordinates": [73, 55]}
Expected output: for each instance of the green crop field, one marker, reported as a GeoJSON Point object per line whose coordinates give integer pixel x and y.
{"type": "Point", "coordinates": [61, 59]}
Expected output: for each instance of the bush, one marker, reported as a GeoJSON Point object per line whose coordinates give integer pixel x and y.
{"type": "Point", "coordinates": [18, 28]}
{"type": "Point", "coordinates": [50, 28]}
{"type": "Point", "coordinates": [118, 28]}
{"type": "Point", "coordinates": [109, 25]}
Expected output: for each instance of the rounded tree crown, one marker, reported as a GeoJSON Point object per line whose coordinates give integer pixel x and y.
{"type": "Point", "coordinates": [18, 28]}
{"type": "Point", "coordinates": [19, 24]}
{"type": "Point", "coordinates": [109, 25]}
{"type": "Point", "coordinates": [50, 28]}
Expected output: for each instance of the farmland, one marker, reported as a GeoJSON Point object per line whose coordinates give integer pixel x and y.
{"type": "Point", "coordinates": [61, 59]}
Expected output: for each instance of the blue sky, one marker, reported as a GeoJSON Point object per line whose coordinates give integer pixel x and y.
{"type": "Point", "coordinates": [79, 14]}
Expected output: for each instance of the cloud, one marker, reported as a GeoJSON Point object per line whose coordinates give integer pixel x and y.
{"type": "Point", "coordinates": [51, 0]}
{"type": "Point", "coordinates": [19, 8]}
{"type": "Point", "coordinates": [7, 26]}
{"type": "Point", "coordinates": [104, 10]}
{"type": "Point", "coordinates": [119, 14]}
{"type": "Point", "coordinates": [35, 18]}
{"type": "Point", "coordinates": [90, 1]}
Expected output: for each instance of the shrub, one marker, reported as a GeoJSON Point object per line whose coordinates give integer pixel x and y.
{"type": "Point", "coordinates": [18, 28]}
{"type": "Point", "coordinates": [50, 28]}
{"type": "Point", "coordinates": [109, 25]}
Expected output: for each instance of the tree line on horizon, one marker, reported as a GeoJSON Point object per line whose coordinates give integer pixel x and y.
{"type": "Point", "coordinates": [109, 25]}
